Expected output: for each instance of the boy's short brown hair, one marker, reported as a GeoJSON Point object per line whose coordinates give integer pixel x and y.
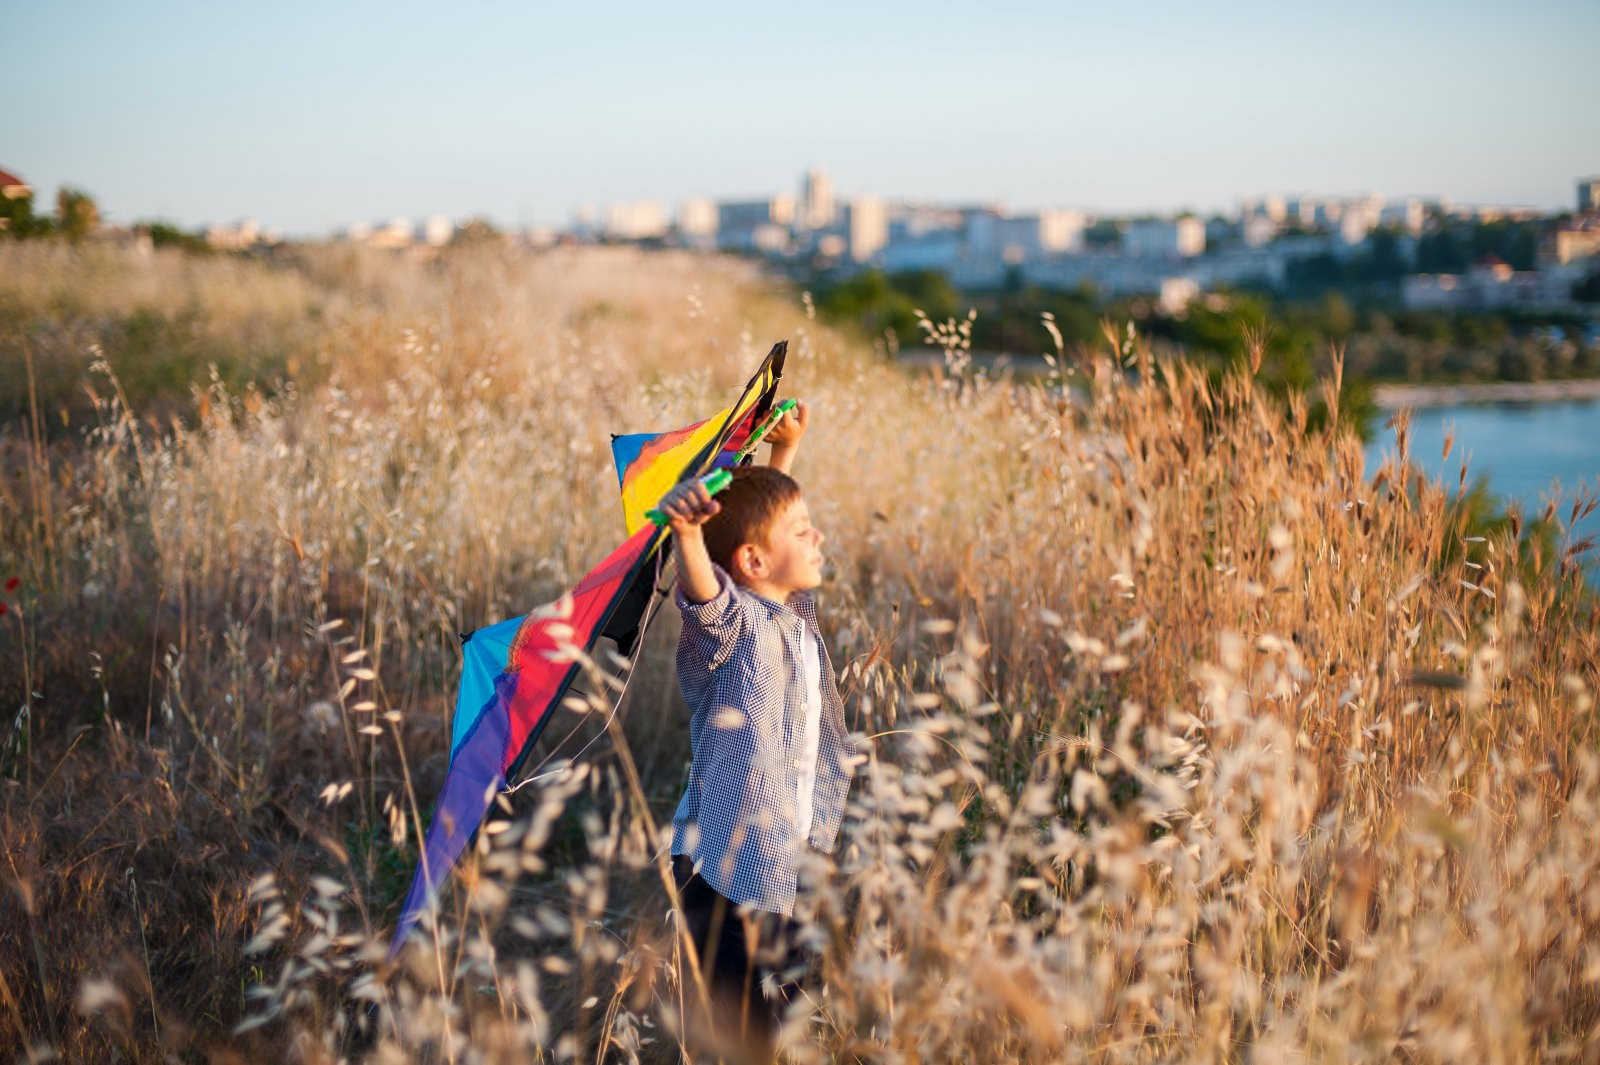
{"type": "Point", "coordinates": [748, 506]}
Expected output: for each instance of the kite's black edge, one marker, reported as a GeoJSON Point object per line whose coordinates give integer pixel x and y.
{"type": "Point", "coordinates": [714, 447]}
{"type": "Point", "coordinates": [650, 554]}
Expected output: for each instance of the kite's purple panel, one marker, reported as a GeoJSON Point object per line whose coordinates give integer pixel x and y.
{"type": "Point", "coordinates": [469, 787]}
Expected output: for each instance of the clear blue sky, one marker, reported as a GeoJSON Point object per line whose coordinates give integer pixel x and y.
{"type": "Point", "coordinates": [311, 115]}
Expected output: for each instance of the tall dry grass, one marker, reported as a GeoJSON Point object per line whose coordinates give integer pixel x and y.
{"type": "Point", "coordinates": [1190, 739]}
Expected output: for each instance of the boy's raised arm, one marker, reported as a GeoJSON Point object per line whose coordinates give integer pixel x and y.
{"type": "Point", "coordinates": [785, 437]}
{"type": "Point", "coordinates": [688, 506]}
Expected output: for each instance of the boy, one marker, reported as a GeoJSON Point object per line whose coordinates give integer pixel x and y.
{"type": "Point", "coordinates": [771, 766]}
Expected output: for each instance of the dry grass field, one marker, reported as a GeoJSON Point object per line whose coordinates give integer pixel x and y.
{"type": "Point", "coordinates": [1192, 740]}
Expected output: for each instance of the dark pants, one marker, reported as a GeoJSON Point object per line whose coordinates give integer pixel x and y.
{"type": "Point", "coordinates": [736, 951]}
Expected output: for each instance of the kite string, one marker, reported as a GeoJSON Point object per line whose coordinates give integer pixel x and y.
{"type": "Point", "coordinates": [650, 613]}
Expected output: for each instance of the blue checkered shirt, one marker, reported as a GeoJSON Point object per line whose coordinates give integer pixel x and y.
{"type": "Point", "coordinates": [739, 667]}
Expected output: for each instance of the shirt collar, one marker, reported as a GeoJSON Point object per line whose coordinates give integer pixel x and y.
{"type": "Point", "coordinates": [791, 608]}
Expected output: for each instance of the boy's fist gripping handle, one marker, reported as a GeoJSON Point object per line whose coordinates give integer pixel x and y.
{"type": "Point", "coordinates": [713, 482]}
{"type": "Point", "coordinates": [767, 426]}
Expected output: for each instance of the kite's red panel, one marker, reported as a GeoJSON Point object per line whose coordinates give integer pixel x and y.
{"type": "Point", "coordinates": [535, 656]}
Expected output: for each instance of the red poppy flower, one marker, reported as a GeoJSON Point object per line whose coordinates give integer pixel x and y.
{"type": "Point", "coordinates": [2, 606]}
{"type": "Point", "coordinates": [12, 582]}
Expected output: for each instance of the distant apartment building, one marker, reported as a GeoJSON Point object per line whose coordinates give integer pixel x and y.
{"type": "Point", "coordinates": [770, 239]}
{"type": "Point", "coordinates": [816, 200]}
{"type": "Point", "coordinates": [1573, 241]}
{"type": "Point", "coordinates": [1308, 212]}
{"type": "Point", "coordinates": [992, 233]}
{"type": "Point", "coordinates": [1238, 266]}
{"type": "Point", "coordinates": [866, 227]}
{"type": "Point", "coordinates": [1257, 230]}
{"type": "Point", "coordinates": [937, 250]}
{"type": "Point", "coordinates": [1491, 284]}
{"type": "Point", "coordinates": [1407, 214]}
{"type": "Point", "coordinates": [1352, 219]}
{"type": "Point", "coordinates": [697, 223]}
{"type": "Point", "coordinates": [910, 221]}
{"type": "Point", "coordinates": [585, 222]}
{"type": "Point", "coordinates": [635, 220]}
{"type": "Point", "coordinates": [1115, 275]}
{"type": "Point", "coordinates": [1494, 212]}
{"type": "Point", "coordinates": [438, 230]}
{"type": "Point", "coordinates": [1274, 209]}
{"type": "Point", "coordinates": [1355, 225]}
{"type": "Point", "coordinates": [755, 225]}
{"type": "Point", "coordinates": [1061, 230]}
{"type": "Point", "coordinates": [1432, 292]}
{"type": "Point", "coordinates": [1177, 239]}
{"type": "Point", "coordinates": [399, 233]}
{"type": "Point", "coordinates": [1589, 195]}
{"type": "Point", "coordinates": [740, 215]}
{"type": "Point", "coordinates": [236, 237]}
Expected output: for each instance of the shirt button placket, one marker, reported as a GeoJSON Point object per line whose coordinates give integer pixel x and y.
{"type": "Point", "coordinates": [791, 725]}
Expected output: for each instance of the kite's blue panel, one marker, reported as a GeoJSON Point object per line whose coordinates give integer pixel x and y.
{"type": "Point", "coordinates": [627, 447]}
{"type": "Point", "coordinates": [483, 658]}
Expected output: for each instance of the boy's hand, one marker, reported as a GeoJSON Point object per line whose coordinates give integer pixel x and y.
{"type": "Point", "coordinates": [785, 437]}
{"type": "Point", "coordinates": [688, 506]}
{"type": "Point", "coordinates": [790, 428]}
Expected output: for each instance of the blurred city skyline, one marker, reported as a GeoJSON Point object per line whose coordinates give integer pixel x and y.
{"type": "Point", "coordinates": [311, 118]}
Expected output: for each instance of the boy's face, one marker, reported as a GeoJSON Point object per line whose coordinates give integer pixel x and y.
{"type": "Point", "coordinates": [791, 558]}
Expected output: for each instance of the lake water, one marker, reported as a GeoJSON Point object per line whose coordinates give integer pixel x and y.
{"type": "Point", "coordinates": [1524, 449]}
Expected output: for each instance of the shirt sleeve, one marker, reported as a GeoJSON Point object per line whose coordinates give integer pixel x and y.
{"type": "Point", "coordinates": [713, 627]}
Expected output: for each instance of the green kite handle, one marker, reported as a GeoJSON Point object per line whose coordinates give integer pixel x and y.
{"type": "Point", "coordinates": [713, 482]}
{"type": "Point", "coordinates": [766, 427]}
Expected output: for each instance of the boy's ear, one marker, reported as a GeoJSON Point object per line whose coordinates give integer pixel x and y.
{"type": "Point", "coordinates": [748, 561]}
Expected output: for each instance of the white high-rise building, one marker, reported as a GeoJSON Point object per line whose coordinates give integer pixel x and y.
{"type": "Point", "coordinates": [697, 219]}
{"type": "Point", "coordinates": [816, 200]}
{"type": "Point", "coordinates": [866, 227]}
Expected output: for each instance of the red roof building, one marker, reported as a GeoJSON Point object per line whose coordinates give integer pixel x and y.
{"type": "Point", "coordinates": [12, 186]}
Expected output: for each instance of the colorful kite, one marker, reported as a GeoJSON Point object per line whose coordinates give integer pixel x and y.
{"type": "Point", "coordinates": [513, 675]}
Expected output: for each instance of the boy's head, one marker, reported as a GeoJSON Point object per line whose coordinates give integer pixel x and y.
{"type": "Point", "coordinates": [762, 534]}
